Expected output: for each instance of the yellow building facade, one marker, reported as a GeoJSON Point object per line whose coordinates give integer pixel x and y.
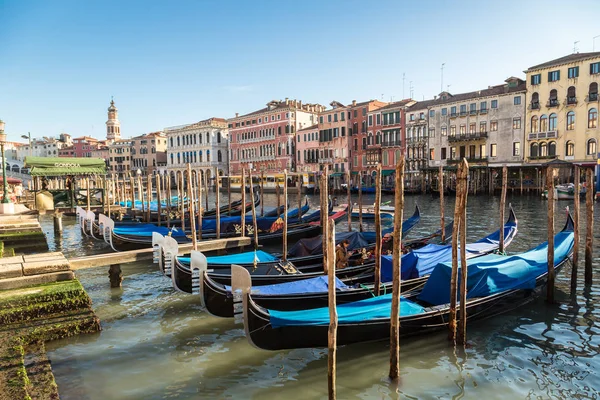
{"type": "Point", "coordinates": [562, 110]}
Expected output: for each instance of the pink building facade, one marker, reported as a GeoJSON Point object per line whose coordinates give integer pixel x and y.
{"type": "Point", "coordinates": [334, 137]}
{"type": "Point", "coordinates": [265, 140]}
{"type": "Point", "coordinates": [307, 149]}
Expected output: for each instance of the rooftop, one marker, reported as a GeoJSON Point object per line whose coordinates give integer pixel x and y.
{"type": "Point", "coordinates": [309, 128]}
{"type": "Point", "coordinates": [565, 60]}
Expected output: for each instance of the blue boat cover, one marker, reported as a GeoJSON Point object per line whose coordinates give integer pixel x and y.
{"type": "Point", "coordinates": [421, 262]}
{"type": "Point", "coordinates": [356, 312]}
{"type": "Point", "coordinates": [312, 285]}
{"type": "Point", "coordinates": [240, 258]}
{"type": "Point", "coordinates": [145, 230]}
{"type": "Point", "coordinates": [496, 273]}
{"type": "Point", "coordinates": [312, 246]}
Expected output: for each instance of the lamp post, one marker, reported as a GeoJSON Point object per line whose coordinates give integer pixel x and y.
{"type": "Point", "coordinates": [28, 136]}
{"type": "Point", "coordinates": [5, 199]}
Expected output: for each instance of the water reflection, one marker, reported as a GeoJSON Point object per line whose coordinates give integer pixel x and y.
{"type": "Point", "coordinates": [157, 343]}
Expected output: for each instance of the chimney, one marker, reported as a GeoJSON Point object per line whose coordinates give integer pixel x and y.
{"type": "Point", "coordinates": [237, 115]}
{"type": "Point", "coordinates": [287, 101]}
{"type": "Point", "coordinates": [299, 103]}
{"type": "Point", "coordinates": [353, 102]}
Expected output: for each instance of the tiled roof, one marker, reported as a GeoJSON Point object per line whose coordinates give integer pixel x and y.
{"type": "Point", "coordinates": [308, 128]}
{"type": "Point", "coordinates": [564, 60]}
{"type": "Point", "coordinates": [395, 104]}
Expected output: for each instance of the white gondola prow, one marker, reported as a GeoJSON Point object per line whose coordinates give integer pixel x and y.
{"type": "Point", "coordinates": [157, 243]}
{"type": "Point", "coordinates": [90, 217]}
{"type": "Point", "coordinates": [170, 249]}
{"type": "Point", "coordinates": [198, 264]}
{"type": "Point", "coordinates": [240, 289]}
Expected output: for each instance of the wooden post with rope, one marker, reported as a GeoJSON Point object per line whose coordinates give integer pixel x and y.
{"type": "Point", "coordinates": [190, 192]}
{"type": "Point", "coordinates": [589, 231]}
{"type": "Point", "coordinates": [159, 198]}
{"type": "Point", "coordinates": [378, 231]}
{"type": "Point", "coordinates": [360, 224]}
{"type": "Point", "coordinates": [278, 194]}
{"type": "Point", "coordinates": [349, 203]}
{"type": "Point", "coordinates": [262, 194]}
{"type": "Point", "coordinates": [254, 224]}
{"type": "Point", "coordinates": [168, 190]}
{"type": "Point", "coordinates": [502, 207]}
{"type": "Point", "coordinates": [149, 196]}
{"type": "Point", "coordinates": [285, 216]}
{"type": "Point", "coordinates": [551, 273]}
{"type": "Point", "coordinates": [394, 373]}
{"type": "Point", "coordinates": [576, 209]}
{"type": "Point", "coordinates": [462, 328]}
{"type": "Point", "coordinates": [243, 211]}
{"type": "Point", "coordinates": [324, 216]}
{"type": "Point", "coordinates": [441, 189]}
{"type": "Point", "coordinates": [333, 318]}
{"type": "Point", "coordinates": [218, 203]}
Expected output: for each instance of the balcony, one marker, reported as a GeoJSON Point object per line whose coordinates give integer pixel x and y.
{"type": "Point", "coordinates": [463, 113]}
{"type": "Point", "coordinates": [552, 103]}
{"type": "Point", "coordinates": [542, 135]}
{"type": "Point", "coordinates": [453, 115]}
{"type": "Point", "coordinates": [468, 137]}
{"type": "Point", "coordinates": [592, 97]}
{"type": "Point", "coordinates": [470, 160]}
{"type": "Point", "coordinates": [571, 100]}
{"type": "Point", "coordinates": [473, 112]}
{"type": "Point", "coordinates": [542, 157]}
{"type": "Point", "coordinates": [389, 143]}
{"type": "Point", "coordinates": [534, 106]}
{"type": "Point", "coordinates": [252, 140]}
{"type": "Point", "coordinates": [483, 111]}
{"type": "Point", "coordinates": [327, 160]}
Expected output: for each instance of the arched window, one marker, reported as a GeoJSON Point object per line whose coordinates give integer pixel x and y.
{"type": "Point", "coordinates": [569, 148]}
{"type": "Point", "coordinates": [543, 149]}
{"type": "Point", "coordinates": [570, 120]}
{"type": "Point", "coordinates": [533, 150]}
{"type": "Point", "coordinates": [200, 155]}
{"type": "Point", "coordinates": [534, 124]}
{"type": "Point", "coordinates": [219, 137]}
{"type": "Point", "coordinates": [593, 118]}
{"type": "Point", "coordinates": [207, 138]}
{"type": "Point", "coordinates": [219, 156]}
{"type": "Point", "coordinates": [178, 141]}
{"type": "Point", "coordinates": [207, 152]}
{"type": "Point", "coordinates": [385, 157]}
{"type": "Point", "coordinates": [378, 138]}
{"type": "Point", "coordinates": [552, 122]}
{"type": "Point", "coordinates": [543, 123]}
{"type": "Point", "coordinates": [535, 101]}
{"type": "Point", "coordinates": [370, 139]}
{"type": "Point", "coordinates": [591, 147]}
{"type": "Point", "coordinates": [552, 148]}
{"type": "Point", "coordinates": [571, 98]}
{"type": "Point", "coordinates": [593, 94]}
{"type": "Point", "coordinates": [553, 98]}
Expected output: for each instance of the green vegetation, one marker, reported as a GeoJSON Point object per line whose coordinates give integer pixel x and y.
{"type": "Point", "coordinates": [28, 318]}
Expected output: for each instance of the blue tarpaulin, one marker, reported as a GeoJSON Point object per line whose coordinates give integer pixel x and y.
{"type": "Point", "coordinates": [313, 285]}
{"type": "Point", "coordinates": [145, 230]}
{"type": "Point", "coordinates": [240, 258]}
{"type": "Point", "coordinates": [496, 273]}
{"type": "Point", "coordinates": [356, 312]}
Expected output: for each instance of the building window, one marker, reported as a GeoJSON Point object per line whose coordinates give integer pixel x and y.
{"type": "Point", "coordinates": [570, 120]}
{"type": "Point", "coordinates": [552, 122]}
{"type": "Point", "coordinates": [453, 153]}
{"type": "Point", "coordinates": [463, 109]}
{"type": "Point", "coordinates": [443, 153]}
{"type": "Point", "coordinates": [536, 79]}
{"type": "Point", "coordinates": [431, 132]}
{"type": "Point", "coordinates": [593, 118]}
{"type": "Point", "coordinates": [571, 98]}
{"type": "Point", "coordinates": [321, 119]}
{"type": "Point", "coordinates": [483, 127]}
{"type": "Point", "coordinates": [431, 113]}
{"type": "Point", "coordinates": [593, 93]}
{"type": "Point", "coordinates": [329, 118]}
{"type": "Point", "coordinates": [543, 123]}
{"type": "Point", "coordinates": [516, 123]}
{"type": "Point", "coordinates": [453, 111]}
{"type": "Point", "coordinates": [553, 98]}
{"type": "Point", "coordinates": [483, 106]}
{"type": "Point", "coordinates": [335, 117]}
{"type": "Point", "coordinates": [553, 76]}
{"type": "Point", "coordinates": [444, 131]}
{"type": "Point", "coordinates": [493, 126]}
{"type": "Point", "coordinates": [543, 149]}
{"type": "Point", "coordinates": [343, 116]}
{"type": "Point", "coordinates": [591, 147]}
{"type": "Point", "coordinates": [370, 120]}
{"type": "Point", "coordinates": [517, 100]}
{"type": "Point", "coordinates": [494, 103]}
{"type": "Point", "coordinates": [569, 149]}
{"type": "Point", "coordinates": [463, 130]}
{"type": "Point", "coordinates": [444, 111]}
{"type": "Point", "coordinates": [552, 148]}
{"type": "Point", "coordinates": [516, 149]}
{"type": "Point", "coordinates": [473, 108]}
{"type": "Point", "coordinates": [595, 68]}
{"type": "Point", "coordinates": [452, 130]}
{"type": "Point", "coordinates": [431, 154]}
{"type": "Point", "coordinates": [573, 72]}
{"type": "Point", "coordinates": [472, 127]}
{"type": "Point", "coordinates": [535, 101]}
{"type": "Point", "coordinates": [364, 111]}
{"type": "Point", "coordinates": [378, 119]}
{"type": "Point", "coordinates": [533, 150]}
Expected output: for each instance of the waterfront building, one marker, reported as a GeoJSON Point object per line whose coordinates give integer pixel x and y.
{"type": "Point", "coordinates": [358, 116]}
{"type": "Point", "coordinates": [82, 147]}
{"type": "Point", "coordinates": [265, 140]}
{"type": "Point", "coordinates": [113, 126]}
{"type": "Point", "coordinates": [44, 147]}
{"type": "Point", "coordinates": [562, 110]}
{"type": "Point", "coordinates": [119, 161]}
{"type": "Point", "coordinates": [202, 144]}
{"type": "Point", "coordinates": [417, 142]}
{"type": "Point", "coordinates": [334, 141]}
{"type": "Point", "coordinates": [148, 151]}
{"type": "Point", "coordinates": [307, 149]}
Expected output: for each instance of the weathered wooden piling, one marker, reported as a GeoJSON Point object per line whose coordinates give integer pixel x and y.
{"type": "Point", "coordinates": [462, 329]}
{"type": "Point", "coordinates": [190, 192]}
{"type": "Point", "coordinates": [159, 198]}
{"type": "Point", "coordinates": [278, 193]}
{"type": "Point", "coordinates": [262, 195]}
{"type": "Point", "coordinates": [299, 184]}
{"type": "Point", "coordinates": [181, 199]}
{"type": "Point", "coordinates": [589, 231]}
{"type": "Point", "coordinates": [333, 318]}
{"type": "Point", "coordinates": [58, 228]}
{"type": "Point", "coordinates": [115, 275]}
{"type": "Point", "coordinates": [254, 224]}
{"type": "Point", "coordinates": [521, 180]}
{"type": "Point", "coordinates": [87, 184]}
{"type": "Point", "coordinates": [218, 203]}
{"type": "Point", "coordinates": [141, 193]}
{"type": "Point", "coordinates": [199, 200]}
{"type": "Point", "coordinates": [550, 283]}
{"type": "Point", "coordinates": [378, 230]}
{"type": "Point", "coordinates": [324, 213]}
{"type": "Point", "coordinates": [502, 207]}
{"type": "Point", "coordinates": [349, 202]}
{"type": "Point", "coordinates": [149, 197]}
{"type": "Point", "coordinates": [206, 190]}
{"type": "Point", "coordinates": [168, 190]}
{"type": "Point", "coordinates": [441, 189]}
{"type": "Point", "coordinates": [461, 177]}
{"type": "Point", "coordinates": [397, 265]}
{"type": "Point", "coordinates": [576, 209]}
{"type": "Point", "coordinates": [285, 214]}
{"type": "Point", "coordinates": [243, 212]}
{"type": "Point", "coordinates": [229, 196]}
{"type": "Point", "coordinates": [360, 224]}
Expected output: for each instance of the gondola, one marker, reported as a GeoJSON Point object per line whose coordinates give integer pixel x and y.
{"type": "Point", "coordinates": [312, 293]}
{"type": "Point", "coordinates": [496, 284]}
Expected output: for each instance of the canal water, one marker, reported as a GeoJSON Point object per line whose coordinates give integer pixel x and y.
{"type": "Point", "coordinates": [160, 344]}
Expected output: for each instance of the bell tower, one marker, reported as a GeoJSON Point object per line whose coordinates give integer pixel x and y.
{"type": "Point", "coordinates": [113, 126]}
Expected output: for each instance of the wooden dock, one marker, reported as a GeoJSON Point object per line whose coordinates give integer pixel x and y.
{"type": "Point", "coordinates": [123, 257]}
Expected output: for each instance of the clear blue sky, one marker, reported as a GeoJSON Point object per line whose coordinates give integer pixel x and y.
{"type": "Point", "coordinates": [174, 62]}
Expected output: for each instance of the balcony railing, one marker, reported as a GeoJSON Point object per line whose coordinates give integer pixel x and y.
{"type": "Point", "coordinates": [542, 135]}
{"type": "Point", "coordinates": [592, 97]}
{"type": "Point", "coordinates": [463, 113]}
{"type": "Point", "coordinates": [453, 115]}
{"type": "Point", "coordinates": [483, 111]}
{"type": "Point", "coordinates": [542, 157]}
{"type": "Point", "coordinates": [469, 160]}
{"type": "Point", "coordinates": [473, 112]}
{"type": "Point", "coordinates": [258, 139]}
{"type": "Point", "coordinates": [571, 100]}
{"type": "Point", "coordinates": [552, 103]}
{"type": "Point", "coordinates": [387, 143]}
{"type": "Point", "coordinates": [534, 106]}
{"type": "Point", "coordinates": [468, 137]}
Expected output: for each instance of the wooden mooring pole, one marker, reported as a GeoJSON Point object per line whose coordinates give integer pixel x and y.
{"type": "Point", "coordinates": [254, 224]}
{"type": "Point", "coordinates": [462, 328]}
{"type": "Point", "coordinates": [243, 212]}
{"type": "Point", "coordinates": [394, 373]}
{"type": "Point", "coordinates": [168, 198]}
{"type": "Point", "coordinates": [502, 207]}
{"type": "Point", "coordinates": [360, 224]}
{"type": "Point", "coordinates": [199, 200]}
{"type": "Point", "coordinates": [141, 193]}
{"type": "Point", "coordinates": [378, 231]}
{"type": "Point", "coordinates": [159, 198]}
{"type": "Point", "coordinates": [589, 238]}
{"type": "Point", "coordinates": [349, 202]}
{"type": "Point", "coordinates": [324, 214]}
{"type": "Point", "coordinates": [149, 197]}
{"type": "Point", "coordinates": [550, 283]}
{"type": "Point", "coordinates": [190, 192]}
{"type": "Point", "coordinates": [299, 184]}
{"type": "Point", "coordinates": [285, 214]}
{"type": "Point", "coordinates": [441, 189]}
{"type": "Point", "coordinates": [229, 196]}
{"type": "Point", "coordinates": [218, 204]}
{"type": "Point", "coordinates": [262, 194]}
{"type": "Point", "coordinates": [206, 189]}
{"type": "Point", "coordinates": [333, 318]}
{"type": "Point", "coordinates": [181, 200]}
{"type": "Point", "coordinates": [576, 209]}
{"type": "Point", "coordinates": [278, 194]}
{"type": "Point", "coordinates": [461, 186]}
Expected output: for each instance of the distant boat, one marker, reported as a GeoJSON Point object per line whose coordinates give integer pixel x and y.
{"type": "Point", "coordinates": [565, 191]}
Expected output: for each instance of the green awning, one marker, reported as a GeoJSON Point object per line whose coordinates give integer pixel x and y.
{"type": "Point", "coordinates": [59, 166]}
{"type": "Point", "coordinates": [336, 174]}
{"type": "Point", "coordinates": [354, 172]}
{"type": "Point", "coordinates": [387, 172]}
